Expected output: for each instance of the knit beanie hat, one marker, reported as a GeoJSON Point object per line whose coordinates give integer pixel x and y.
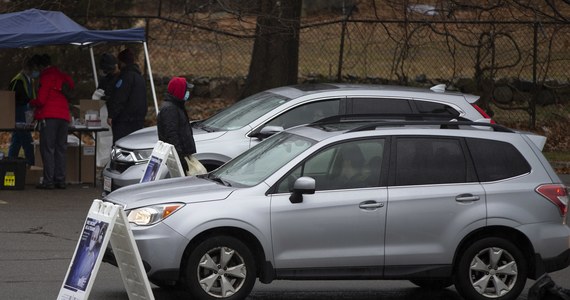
{"type": "Point", "coordinates": [127, 56]}
{"type": "Point", "coordinates": [107, 62]}
{"type": "Point", "coordinates": [177, 87]}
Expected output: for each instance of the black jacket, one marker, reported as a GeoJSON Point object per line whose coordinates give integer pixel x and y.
{"type": "Point", "coordinates": [128, 100]}
{"type": "Point", "coordinates": [174, 126]}
{"type": "Point", "coordinates": [107, 83]}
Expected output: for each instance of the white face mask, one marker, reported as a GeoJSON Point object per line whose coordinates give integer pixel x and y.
{"type": "Point", "coordinates": [187, 96]}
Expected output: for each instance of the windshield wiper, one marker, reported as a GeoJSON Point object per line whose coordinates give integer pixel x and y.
{"type": "Point", "coordinates": [203, 127]}
{"type": "Point", "coordinates": [218, 179]}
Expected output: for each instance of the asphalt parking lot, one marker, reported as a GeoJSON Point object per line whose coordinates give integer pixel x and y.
{"type": "Point", "coordinates": [39, 230]}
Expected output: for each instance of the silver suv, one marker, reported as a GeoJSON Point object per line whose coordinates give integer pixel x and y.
{"type": "Point", "coordinates": [244, 124]}
{"type": "Point", "coordinates": [436, 203]}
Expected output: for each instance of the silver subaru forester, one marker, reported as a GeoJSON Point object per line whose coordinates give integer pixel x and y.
{"type": "Point", "coordinates": [436, 203]}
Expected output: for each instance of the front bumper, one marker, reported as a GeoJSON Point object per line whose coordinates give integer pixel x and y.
{"type": "Point", "coordinates": [161, 250]}
{"type": "Point", "coordinates": [131, 175]}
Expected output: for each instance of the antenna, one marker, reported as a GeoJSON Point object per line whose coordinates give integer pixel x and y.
{"type": "Point", "coordinates": [440, 88]}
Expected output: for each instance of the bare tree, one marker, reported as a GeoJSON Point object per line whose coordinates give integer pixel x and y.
{"type": "Point", "coordinates": [275, 56]}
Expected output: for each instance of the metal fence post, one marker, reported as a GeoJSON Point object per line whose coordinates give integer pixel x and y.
{"type": "Point", "coordinates": [536, 89]}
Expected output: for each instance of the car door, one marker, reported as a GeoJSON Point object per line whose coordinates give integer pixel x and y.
{"type": "Point", "coordinates": [342, 224]}
{"type": "Point", "coordinates": [434, 201]}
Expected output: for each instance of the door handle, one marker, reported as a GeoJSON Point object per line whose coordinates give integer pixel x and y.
{"type": "Point", "coordinates": [370, 205]}
{"type": "Point", "coordinates": [466, 198]}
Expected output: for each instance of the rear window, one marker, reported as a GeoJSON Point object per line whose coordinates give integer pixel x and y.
{"type": "Point", "coordinates": [496, 160]}
{"type": "Point", "coordinates": [380, 106]}
{"type": "Point", "coordinates": [426, 107]}
{"type": "Point", "coordinates": [430, 161]}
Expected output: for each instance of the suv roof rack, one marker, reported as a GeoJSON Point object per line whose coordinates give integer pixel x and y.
{"type": "Point", "coordinates": [442, 124]}
{"type": "Point", "coordinates": [381, 117]}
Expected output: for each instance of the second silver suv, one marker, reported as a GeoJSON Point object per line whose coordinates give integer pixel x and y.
{"type": "Point", "coordinates": [241, 126]}
{"type": "Point", "coordinates": [436, 203]}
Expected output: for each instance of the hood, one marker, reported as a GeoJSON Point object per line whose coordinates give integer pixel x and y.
{"type": "Point", "coordinates": [182, 189]}
{"type": "Point", "coordinates": [146, 138]}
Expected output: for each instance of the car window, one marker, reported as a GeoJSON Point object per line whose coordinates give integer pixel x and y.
{"type": "Point", "coordinates": [244, 112]}
{"type": "Point", "coordinates": [430, 161]}
{"type": "Point", "coordinates": [380, 106]}
{"type": "Point", "coordinates": [496, 160]}
{"type": "Point", "coordinates": [307, 113]}
{"type": "Point", "coordinates": [253, 166]}
{"type": "Point", "coordinates": [427, 107]}
{"type": "Point", "coordinates": [354, 164]}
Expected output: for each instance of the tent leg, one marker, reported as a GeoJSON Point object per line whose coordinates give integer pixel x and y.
{"type": "Point", "coordinates": [93, 66]}
{"type": "Point", "coordinates": [150, 77]}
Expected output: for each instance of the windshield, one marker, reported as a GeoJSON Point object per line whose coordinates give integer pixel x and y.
{"type": "Point", "coordinates": [255, 165]}
{"type": "Point", "coordinates": [243, 112]}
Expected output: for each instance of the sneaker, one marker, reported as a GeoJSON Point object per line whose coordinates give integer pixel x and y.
{"type": "Point", "coordinates": [60, 185]}
{"type": "Point", "coordinates": [42, 186]}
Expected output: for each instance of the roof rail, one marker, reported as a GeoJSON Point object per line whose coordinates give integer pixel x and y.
{"type": "Point", "coordinates": [381, 117]}
{"type": "Point", "coordinates": [442, 124]}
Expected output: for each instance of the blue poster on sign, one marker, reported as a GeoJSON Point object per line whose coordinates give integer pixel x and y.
{"type": "Point", "coordinates": [151, 172]}
{"type": "Point", "coordinates": [86, 255]}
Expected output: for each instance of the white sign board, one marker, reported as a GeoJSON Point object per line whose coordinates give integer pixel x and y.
{"type": "Point", "coordinates": [163, 154]}
{"type": "Point", "coordinates": [105, 223]}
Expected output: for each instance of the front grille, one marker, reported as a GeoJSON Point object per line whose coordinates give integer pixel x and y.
{"type": "Point", "coordinates": [120, 166]}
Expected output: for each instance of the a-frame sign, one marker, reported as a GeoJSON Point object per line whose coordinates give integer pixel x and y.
{"type": "Point", "coordinates": [105, 222]}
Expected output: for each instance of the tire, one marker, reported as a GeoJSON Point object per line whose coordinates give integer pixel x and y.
{"type": "Point", "coordinates": [433, 284]}
{"type": "Point", "coordinates": [477, 276]}
{"type": "Point", "coordinates": [208, 277]}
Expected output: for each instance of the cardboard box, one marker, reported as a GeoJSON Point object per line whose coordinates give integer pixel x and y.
{"type": "Point", "coordinates": [86, 105]}
{"type": "Point", "coordinates": [72, 163]}
{"type": "Point", "coordinates": [8, 109]}
{"type": "Point", "coordinates": [34, 174]}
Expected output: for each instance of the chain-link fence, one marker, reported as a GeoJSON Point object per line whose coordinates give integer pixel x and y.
{"type": "Point", "coordinates": [519, 69]}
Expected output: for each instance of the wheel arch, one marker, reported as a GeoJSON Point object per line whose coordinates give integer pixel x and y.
{"type": "Point", "coordinates": [264, 272]}
{"type": "Point", "coordinates": [211, 164]}
{"type": "Point", "coordinates": [514, 236]}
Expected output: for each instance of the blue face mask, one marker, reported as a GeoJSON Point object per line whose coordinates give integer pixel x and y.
{"type": "Point", "coordinates": [187, 96]}
{"type": "Point", "coordinates": [35, 74]}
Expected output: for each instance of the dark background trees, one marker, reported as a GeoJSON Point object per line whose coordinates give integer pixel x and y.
{"type": "Point", "coordinates": [275, 55]}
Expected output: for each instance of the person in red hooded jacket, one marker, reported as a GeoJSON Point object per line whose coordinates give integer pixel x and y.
{"type": "Point", "coordinates": [52, 113]}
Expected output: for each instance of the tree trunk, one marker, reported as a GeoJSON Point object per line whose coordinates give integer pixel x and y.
{"type": "Point", "coordinates": [275, 57]}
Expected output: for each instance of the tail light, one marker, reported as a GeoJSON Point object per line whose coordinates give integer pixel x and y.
{"type": "Point", "coordinates": [557, 194]}
{"type": "Point", "coordinates": [483, 113]}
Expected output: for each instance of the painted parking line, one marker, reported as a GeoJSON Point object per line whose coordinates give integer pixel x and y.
{"type": "Point", "coordinates": [3, 202]}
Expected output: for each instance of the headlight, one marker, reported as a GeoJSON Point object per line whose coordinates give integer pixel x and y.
{"type": "Point", "coordinates": [150, 215]}
{"type": "Point", "coordinates": [142, 154]}
{"type": "Point", "coordinates": [130, 156]}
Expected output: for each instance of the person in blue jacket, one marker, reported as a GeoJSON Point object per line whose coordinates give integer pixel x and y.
{"type": "Point", "coordinates": [128, 105]}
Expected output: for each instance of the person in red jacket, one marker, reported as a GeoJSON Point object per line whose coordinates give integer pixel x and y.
{"type": "Point", "coordinates": [52, 113]}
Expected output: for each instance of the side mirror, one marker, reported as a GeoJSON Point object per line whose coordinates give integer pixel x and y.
{"type": "Point", "coordinates": [303, 185]}
{"type": "Point", "coordinates": [267, 131]}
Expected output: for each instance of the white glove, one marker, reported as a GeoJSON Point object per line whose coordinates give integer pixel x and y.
{"type": "Point", "coordinates": [98, 94]}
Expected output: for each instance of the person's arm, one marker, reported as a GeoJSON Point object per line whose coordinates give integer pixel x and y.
{"type": "Point", "coordinates": [120, 97]}
{"type": "Point", "coordinates": [46, 83]}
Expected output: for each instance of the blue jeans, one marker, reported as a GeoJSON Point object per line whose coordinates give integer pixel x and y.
{"type": "Point", "coordinates": [22, 139]}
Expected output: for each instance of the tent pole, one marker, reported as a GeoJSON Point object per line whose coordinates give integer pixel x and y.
{"type": "Point", "coordinates": [150, 77]}
{"type": "Point", "coordinates": [93, 66]}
